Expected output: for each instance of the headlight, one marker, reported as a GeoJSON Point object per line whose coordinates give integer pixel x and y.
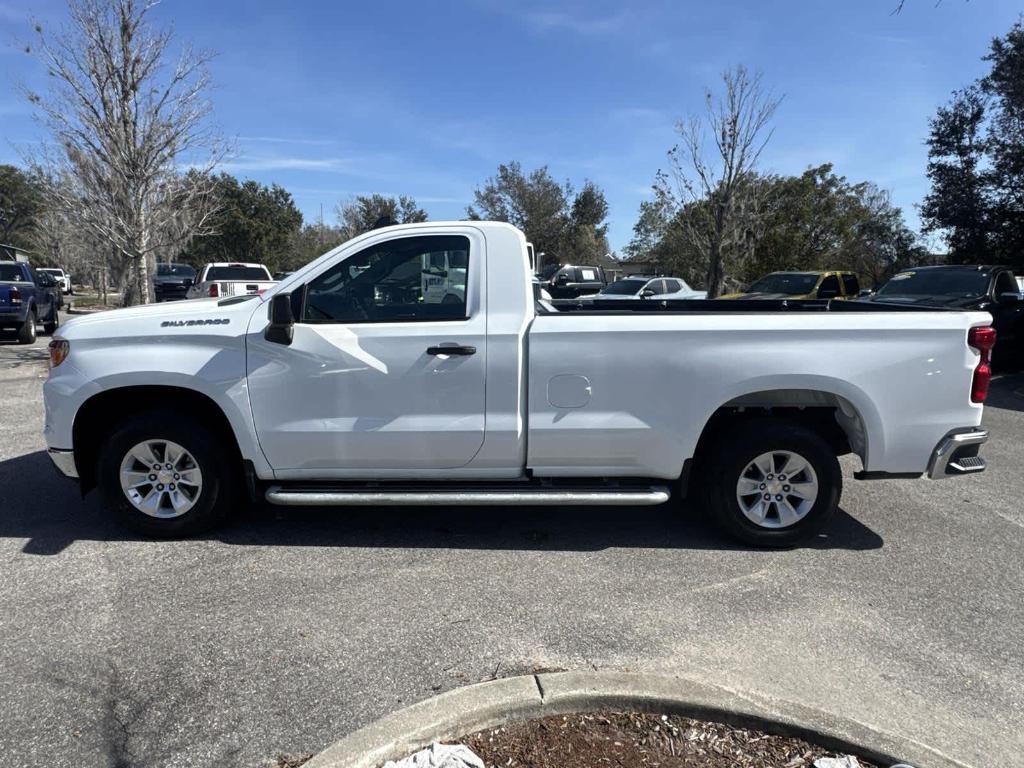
{"type": "Point", "coordinates": [59, 349]}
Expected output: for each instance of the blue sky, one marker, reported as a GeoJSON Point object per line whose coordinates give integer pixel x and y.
{"type": "Point", "coordinates": [331, 99]}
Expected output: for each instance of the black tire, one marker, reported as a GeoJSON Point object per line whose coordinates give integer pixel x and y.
{"type": "Point", "coordinates": [27, 331]}
{"type": "Point", "coordinates": [732, 454]}
{"type": "Point", "coordinates": [219, 477]}
{"type": "Point", "coordinates": [54, 323]}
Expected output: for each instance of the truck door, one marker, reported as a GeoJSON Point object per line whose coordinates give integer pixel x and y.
{"type": "Point", "coordinates": [380, 374]}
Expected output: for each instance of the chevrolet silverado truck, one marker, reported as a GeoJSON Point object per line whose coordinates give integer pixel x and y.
{"type": "Point", "coordinates": [28, 297]}
{"type": "Point", "coordinates": [344, 385]}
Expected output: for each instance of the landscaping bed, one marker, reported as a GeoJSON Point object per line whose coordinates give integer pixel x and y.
{"type": "Point", "coordinates": [634, 740]}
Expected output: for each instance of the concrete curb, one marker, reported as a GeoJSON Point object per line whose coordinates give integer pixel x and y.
{"type": "Point", "coordinates": [72, 311]}
{"type": "Point", "coordinates": [487, 705]}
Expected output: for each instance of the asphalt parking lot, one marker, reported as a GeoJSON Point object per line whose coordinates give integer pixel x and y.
{"type": "Point", "coordinates": [291, 628]}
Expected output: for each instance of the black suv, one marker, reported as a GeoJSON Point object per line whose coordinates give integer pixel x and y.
{"type": "Point", "coordinates": [568, 282]}
{"type": "Point", "coordinates": [172, 281]}
{"type": "Point", "coordinates": [966, 286]}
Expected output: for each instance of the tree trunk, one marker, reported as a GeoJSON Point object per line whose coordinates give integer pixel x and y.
{"type": "Point", "coordinates": [715, 275]}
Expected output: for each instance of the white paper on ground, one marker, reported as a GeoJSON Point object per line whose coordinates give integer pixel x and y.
{"type": "Point", "coordinates": [440, 756]}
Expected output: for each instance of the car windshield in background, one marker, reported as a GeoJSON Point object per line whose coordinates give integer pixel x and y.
{"type": "Point", "coordinates": [11, 272]}
{"type": "Point", "coordinates": [964, 283]}
{"type": "Point", "coordinates": [237, 273]}
{"type": "Point", "coordinates": [51, 271]}
{"type": "Point", "coordinates": [624, 287]}
{"type": "Point", "coordinates": [791, 284]}
{"type": "Point", "coordinates": [175, 270]}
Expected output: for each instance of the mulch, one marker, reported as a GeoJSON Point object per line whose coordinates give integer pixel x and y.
{"type": "Point", "coordinates": [633, 740]}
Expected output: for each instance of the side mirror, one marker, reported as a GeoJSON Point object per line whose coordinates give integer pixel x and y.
{"type": "Point", "coordinates": [1009, 298]}
{"type": "Point", "coordinates": [646, 293]}
{"type": "Point", "coordinates": [187, 282]}
{"type": "Point", "coordinates": [865, 292]}
{"type": "Point", "coordinates": [562, 279]}
{"type": "Point", "coordinates": [282, 320]}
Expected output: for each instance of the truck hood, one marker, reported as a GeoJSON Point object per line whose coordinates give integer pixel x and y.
{"type": "Point", "coordinates": [226, 316]}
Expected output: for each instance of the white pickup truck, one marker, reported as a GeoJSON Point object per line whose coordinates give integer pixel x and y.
{"type": "Point", "coordinates": [223, 278]}
{"type": "Point", "coordinates": [355, 382]}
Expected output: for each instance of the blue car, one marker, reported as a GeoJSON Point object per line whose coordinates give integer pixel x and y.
{"type": "Point", "coordinates": [27, 297]}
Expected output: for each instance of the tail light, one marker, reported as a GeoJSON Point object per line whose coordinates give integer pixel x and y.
{"type": "Point", "coordinates": [214, 290]}
{"type": "Point", "coordinates": [982, 339]}
{"type": "Point", "coordinates": [59, 349]}
{"type": "Point", "coordinates": [14, 296]}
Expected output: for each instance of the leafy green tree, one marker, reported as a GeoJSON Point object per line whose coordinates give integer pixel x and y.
{"type": "Point", "coordinates": [254, 222]}
{"type": "Point", "coordinates": [310, 242]}
{"type": "Point", "coordinates": [21, 203]}
{"type": "Point", "coordinates": [567, 226]}
{"type": "Point", "coordinates": [976, 161]}
{"type": "Point", "coordinates": [533, 202]}
{"type": "Point", "coordinates": [361, 213]}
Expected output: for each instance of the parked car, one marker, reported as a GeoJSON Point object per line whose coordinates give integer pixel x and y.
{"type": "Point", "coordinates": [172, 281]}
{"type": "Point", "coordinates": [63, 278]}
{"type": "Point", "coordinates": [230, 279]}
{"type": "Point", "coordinates": [991, 289]}
{"type": "Point", "coordinates": [802, 285]}
{"type": "Point", "coordinates": [649, 287]}
{"type": "Point", "coordinates": [342, 386]}
{"type": "Point", "coordinates": [27, 297]}
{"type": "Point", "coordinates": [569, 282]}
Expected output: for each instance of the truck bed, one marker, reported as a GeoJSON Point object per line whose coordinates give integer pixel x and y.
{"type": "Point", "coordinates": [722, 306]}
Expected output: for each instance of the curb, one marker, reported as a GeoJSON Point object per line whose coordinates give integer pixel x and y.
{"type": "Point", "coordinates": [487, 705]}
{"type": "Point", "coordinates": [72, 311]}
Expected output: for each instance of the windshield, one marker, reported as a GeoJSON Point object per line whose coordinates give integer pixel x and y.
{"type": "Point", "coordinates": [175, 270]}
{"type": "Point", "coordinates": [624, 287]}
{"type": "Point", "coordinates": [788, 283]}
{"type": "Point", "coordinates": [51, 271]}
{"type": "Point", "coordinates": [965, 283]}
{"type": "Point", "coordinates": [238, 272]}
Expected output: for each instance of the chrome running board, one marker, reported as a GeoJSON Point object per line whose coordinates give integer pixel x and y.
{"type": "Point", "coordinates": [503, 495]}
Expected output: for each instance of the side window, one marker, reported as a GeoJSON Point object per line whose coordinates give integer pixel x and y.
{"type": "Point", "coordinates": [1005, 284]}
{"type": "Point", "coordinates": [829, 287]}
{"type": "Point", "coordinates": [403, 280]}
{"type": "Point", "coordinates": [673, 286]}
{"type": "Point", "coordinates": [851, 285]}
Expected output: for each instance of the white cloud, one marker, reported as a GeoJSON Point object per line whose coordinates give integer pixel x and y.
{"type": "Point", "coordinates": [246, 163]}
{"type": "Point", "coordinates": [573, 22]}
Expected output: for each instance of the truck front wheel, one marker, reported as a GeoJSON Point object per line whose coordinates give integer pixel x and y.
{"type": "Point", "coordinates": [163, 475]}
{"type": "Point", "coordinates": [771, 483]}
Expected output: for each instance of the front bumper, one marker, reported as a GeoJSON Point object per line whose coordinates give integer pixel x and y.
{"type": "Point", "coordinates": [957, 454]}
{"type": "Point", "coordinates": [64, 461]}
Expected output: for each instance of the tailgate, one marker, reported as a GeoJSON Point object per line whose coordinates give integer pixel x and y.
{"type": "Point", "coordinates": [243, 287]}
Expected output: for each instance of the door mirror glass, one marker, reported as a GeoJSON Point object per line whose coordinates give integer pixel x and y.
{"type": "Point", "coordinates": [646, 293]}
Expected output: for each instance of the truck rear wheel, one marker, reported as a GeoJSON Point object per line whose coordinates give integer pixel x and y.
{"type": "Point", "coordinates": [164, 475]}
{"type": "Point", "coordinates": [771, 483]}
{"type": "Point", "coordinates": [27, 331]}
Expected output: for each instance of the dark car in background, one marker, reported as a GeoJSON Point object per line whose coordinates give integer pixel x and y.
{"type": "Point", "coordinates": [172, 281]}
{"type": "Point", "coordinates": [990, 288]}
{"type": "Point", "coordinates": [569, 282]}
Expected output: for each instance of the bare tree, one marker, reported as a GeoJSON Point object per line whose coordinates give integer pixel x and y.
{"type": "Point", "coordinates": [126, 126]}
{"type": "Point", "coordinates": [714, 178]}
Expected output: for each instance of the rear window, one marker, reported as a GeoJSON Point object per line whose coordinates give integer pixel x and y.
{"type": "Point", "coordinates": [238, 272]}
{"type": "Point", "coordinates": [11, 273]}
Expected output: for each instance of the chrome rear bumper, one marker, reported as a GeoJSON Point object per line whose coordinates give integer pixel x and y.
{"type": "Point", "coordinates": [957, 454]}
{"type": "Point", "coordinates": [64, 461]}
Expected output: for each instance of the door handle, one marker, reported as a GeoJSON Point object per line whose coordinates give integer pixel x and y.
{"type": "Point", "coordinates": [452, 349]}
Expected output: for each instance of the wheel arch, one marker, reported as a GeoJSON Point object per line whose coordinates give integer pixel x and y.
{"type": "Point", "coordinates": [845, 418]}
{"type": "Point", "coordinates": [93, 423]}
